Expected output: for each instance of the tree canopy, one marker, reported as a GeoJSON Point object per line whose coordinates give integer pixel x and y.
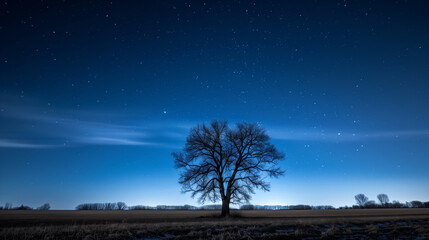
{"type": "Point", "coordinates": [227, 164]}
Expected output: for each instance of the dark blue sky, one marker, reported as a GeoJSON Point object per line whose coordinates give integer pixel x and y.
{"type": "Point", "coordinates": [94, 96]}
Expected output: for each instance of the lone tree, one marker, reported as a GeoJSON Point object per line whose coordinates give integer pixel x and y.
{"type": "Point", "coordinates": [383, 199]}
{"type": "Point", "coordinates": [220, 163]}
{"type": "Point", "coordinates": [361, 200]}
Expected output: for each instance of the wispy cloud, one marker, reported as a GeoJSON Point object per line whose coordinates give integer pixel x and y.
{"type": "Point", "coordinates": [340, 135]}
{"type": "Point", "coordinates": [113, 141]}
{"type": "Point", "coordinates": [30, 126]}
{"type": "Point", "coordinates": [5, 143]}
{"type": "Point", "coordinates": [74, 128]}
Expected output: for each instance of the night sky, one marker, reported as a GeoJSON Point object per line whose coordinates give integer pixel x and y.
{"type": "Point", "coordinates": [95, 95]}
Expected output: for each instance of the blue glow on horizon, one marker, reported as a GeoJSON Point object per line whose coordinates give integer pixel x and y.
{"type": "Point", "coordinates": [93, 103]}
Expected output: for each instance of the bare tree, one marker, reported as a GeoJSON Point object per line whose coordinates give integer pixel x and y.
{"type": "Point", "coordinates": [383, 199]}
{"type": "Point", "coordinates": [8, 206]}
{"type": "Point", "coordinates": [220, 163]}
{"type": "Point", "coordinates": [121, 206]}
{"type": "Point", "coordinates": [109, 206]}
{"type": "Point", "coordinates": [361, 200]}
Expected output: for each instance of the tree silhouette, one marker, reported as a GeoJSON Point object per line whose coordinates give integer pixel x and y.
{"type": "Point", "coordinates": [121, 206]}
{"type": "Point", "coordinates": [416, 204]}
{"type": "Point", "coordinates": [383, 199]}
{"type": "Point", "coordinates": [361, 200]}
{"type": "Point", "coordinates": [220, 163]}
{"type": "Point", "coordinates": [8, 206]}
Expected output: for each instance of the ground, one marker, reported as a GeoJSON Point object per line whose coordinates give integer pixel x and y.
{"type": "Point", "coordinates": [150, 224]}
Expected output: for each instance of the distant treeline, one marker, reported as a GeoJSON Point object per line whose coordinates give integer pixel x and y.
{"type": "Point", "coordinates": [394, 204]}
{"type": "Point", "coordinates": [8, 206]}
{"type": "Point", "coordinates": [369, 204]}
{"type": "Point", "coordinates": [113, 206]}
{"type": "Point", "coordinates": [102, 206]}
{"type": "Point", "coordinates": [286, 207]}
{"type": "Point", "coordinates": [176, 207]}
{"type": "Point", "coordinates": [361, 200]}
{"type": "Point", "coordinates": [123, 206]}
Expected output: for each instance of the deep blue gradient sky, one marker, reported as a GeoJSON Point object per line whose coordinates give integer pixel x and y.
{"type": "Point", "coordinates": [94, 96]}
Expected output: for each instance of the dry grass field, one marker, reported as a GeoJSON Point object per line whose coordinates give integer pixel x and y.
{"type": "Point", "coordinates": [149, 224]}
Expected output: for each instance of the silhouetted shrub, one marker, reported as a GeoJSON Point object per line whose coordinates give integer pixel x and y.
{"type": "Point", "coordinates": [22, 207]}
{"type": "Point", "coordinates": [270, 207]}
{"type": "Point", "coordinates": [371, 204]}
{"type": "Point", "coordinates": [397, 204]}
{"type": "Point", "coordinates": [211, 207]}
{"type": "Point", "coordinates": [416, 204]}
{"type": "Point", "coordinates": [299, 207]}
{"type": "Point", "coordinates": [176, 207]}
{"type": "Point", "coordinates": [141, 207]}
{"type": "Point", "coordinates": [189, 207]}
{"type": "Point", "coordinates": [247, 207]}
{"type": "Point", "coordinates": [45, 206]}
{"type": "Point", "coordinates": [346, 207]}
{"type": "Point", "coordinates": [322, 207]}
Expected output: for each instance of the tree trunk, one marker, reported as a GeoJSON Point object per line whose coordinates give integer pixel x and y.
{"type": "Point", "coordinates": [225, 207]}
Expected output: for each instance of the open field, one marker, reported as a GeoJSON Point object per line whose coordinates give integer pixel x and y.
{"type": "Point", "coordinates": [148, 224]}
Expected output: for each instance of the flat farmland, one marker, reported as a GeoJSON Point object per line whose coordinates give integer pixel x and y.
{"type": "Point", "coordinates": [20, 217]}
{"type": "Point", "coordinates": [258, 224]}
